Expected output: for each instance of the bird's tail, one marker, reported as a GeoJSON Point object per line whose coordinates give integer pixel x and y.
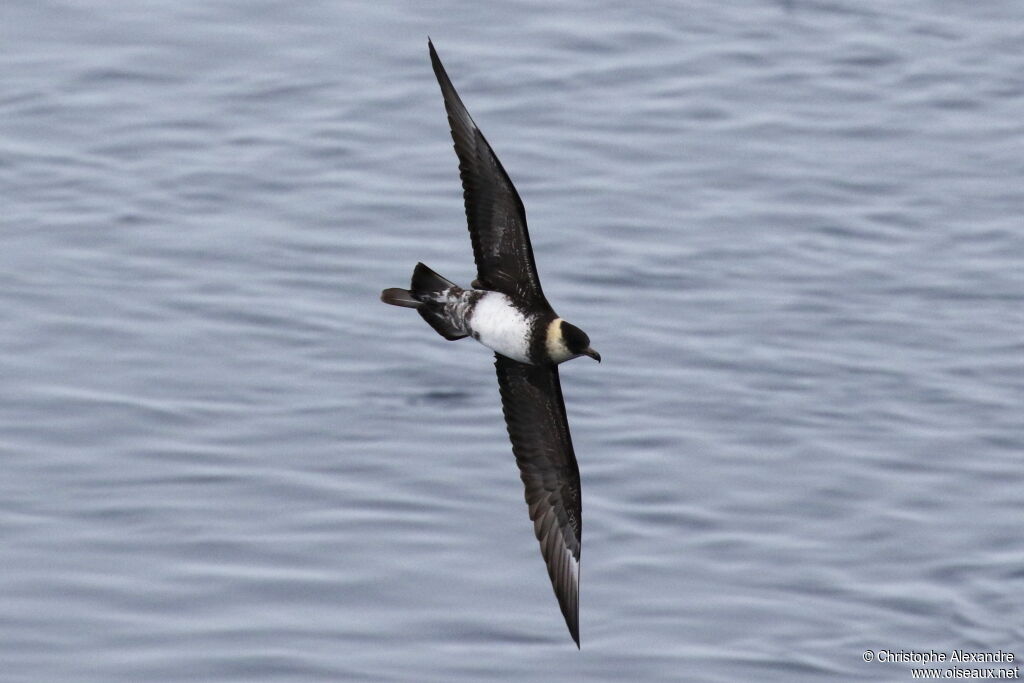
{"type": "Point", "coordinates": [396, 296]}
{"type": "Point", "coordinates": [427, 295]}
{"type": "Point", "coordinates": [427, 287]}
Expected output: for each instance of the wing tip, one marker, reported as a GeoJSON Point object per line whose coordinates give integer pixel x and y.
{"type": "Point", "coordinates": [452, 101]}
{"type": "Point", "coordinates": [435, 61]}
{"type": "Point", "coordinates": [572, 617]}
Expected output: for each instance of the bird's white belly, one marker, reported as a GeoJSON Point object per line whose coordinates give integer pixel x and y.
{"type": "Point", "coordinates": [500, 326]}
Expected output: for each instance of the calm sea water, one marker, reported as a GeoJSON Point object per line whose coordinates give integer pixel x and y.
{"type": "Point", "coordinates": [794, 230]}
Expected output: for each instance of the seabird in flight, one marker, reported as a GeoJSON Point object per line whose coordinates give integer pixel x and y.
{"type": "Point", "coordinates": [506, 311]}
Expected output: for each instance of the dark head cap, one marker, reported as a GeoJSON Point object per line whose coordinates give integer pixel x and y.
{"type": "Point", "coordinates": [577, 341]}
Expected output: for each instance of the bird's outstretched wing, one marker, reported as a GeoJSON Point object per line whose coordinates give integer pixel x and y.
{"type": "Point", "coordinates": [531, 396]}
{"type": "Point", "coordinates": [497, 220]}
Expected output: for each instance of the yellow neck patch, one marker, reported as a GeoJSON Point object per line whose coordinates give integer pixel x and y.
{"type": "Point", "coordinates": [555, 343]}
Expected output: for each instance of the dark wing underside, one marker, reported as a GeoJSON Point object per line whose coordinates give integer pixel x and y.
{"type": "Point", "coordinates": [497, 220]}
{"type": "Point", "coordinates": [531, 396]}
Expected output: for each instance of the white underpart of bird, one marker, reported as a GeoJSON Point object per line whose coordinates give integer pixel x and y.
{"type": "Point", "coordinates": [499, 325]}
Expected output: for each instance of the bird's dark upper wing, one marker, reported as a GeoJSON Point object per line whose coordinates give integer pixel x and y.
{"type": "Point", "coordinates": [531, 396]}
{"type": "Point", "coordinates": [497, 220]}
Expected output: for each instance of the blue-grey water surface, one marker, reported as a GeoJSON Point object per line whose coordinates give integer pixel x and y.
{"type": "Point", "coordinates": [794, 230]}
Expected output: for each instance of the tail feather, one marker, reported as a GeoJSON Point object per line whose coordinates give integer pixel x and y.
{"type": "Point", "coordinates": [396, 296]}
{"type": "Point", "coordinates": [441, 324]}
{"type": "Point", "coordinates": [425, 295]}
{"type": "Point", "coordinates": [426, 282]}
